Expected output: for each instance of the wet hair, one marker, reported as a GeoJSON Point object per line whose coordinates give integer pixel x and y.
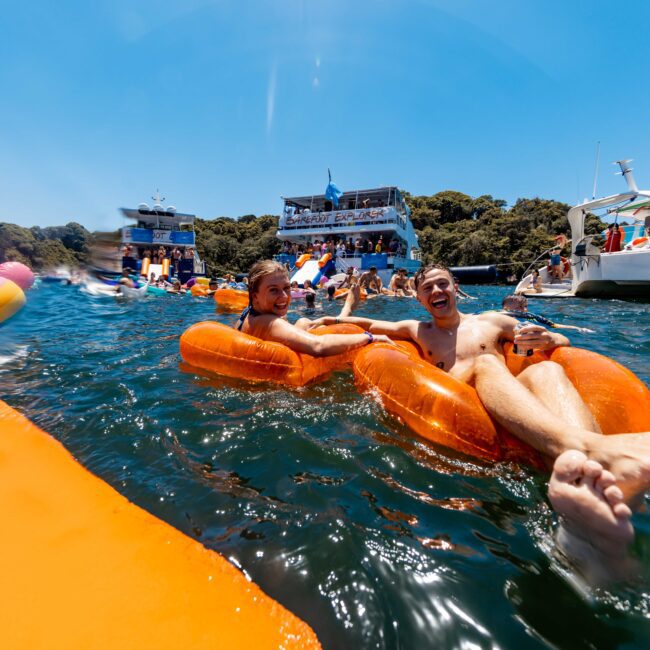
{"type": "Point", "coordinates": [372, 268]}
{"type": "Point", "coordinates": [419, 276]}
{"type": "Point", "coordinates": [515, 302]}
{"type": "Point", "coordinates": [259, 271]}
{"type": "Point", "coordinates": [331, 290]}
{"type": "Point", "coordinates": [310, 299]}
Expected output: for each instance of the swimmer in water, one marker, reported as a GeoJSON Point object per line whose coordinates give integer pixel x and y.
{"type": "Point", "coordinates": [399, 284]}
{"type": "Point", "coordinates": [269, 293]}
{"type": "Point", "coordinates": [596, 478]}
{"type": "Point", "coordinates": [516, 305]}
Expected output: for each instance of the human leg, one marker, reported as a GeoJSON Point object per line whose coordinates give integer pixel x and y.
{"type": "Point", "coordinates": [522, 413]}
{"type": "Point", "coordinates": [549, 383]}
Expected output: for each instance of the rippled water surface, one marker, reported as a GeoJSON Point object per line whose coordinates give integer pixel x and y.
{"type": "Point", "coordinates": [375, 538]}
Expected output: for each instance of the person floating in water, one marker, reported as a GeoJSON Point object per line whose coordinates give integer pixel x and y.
{"type": "Point", "coordinates": [516, 305]}
{"type": "Point", "coordinates": [596, 478]}
{"type": "Point", "coordinates": [269, 291]}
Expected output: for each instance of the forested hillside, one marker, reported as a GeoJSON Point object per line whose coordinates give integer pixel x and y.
{"type": "Point", "coordinates": [42, 248]}
{"type": "Point", "coordinates": [453, 228]}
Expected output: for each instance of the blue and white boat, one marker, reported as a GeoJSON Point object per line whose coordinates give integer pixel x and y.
{"type": "Point", "coordinates": [360, 214]}
{"type": "Point", "coordinates": [157, 225]}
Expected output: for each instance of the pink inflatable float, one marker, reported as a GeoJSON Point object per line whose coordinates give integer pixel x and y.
{"type": "Point", "coordinates": [19, 273]}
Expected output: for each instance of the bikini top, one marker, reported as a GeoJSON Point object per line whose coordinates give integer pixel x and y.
{"type": "Point", "coordinates": [249, 311]}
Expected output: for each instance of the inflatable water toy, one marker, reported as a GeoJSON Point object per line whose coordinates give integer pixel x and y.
{"type": "Point", "coordinates": [226, 351]}
{"type": "Point", "coordinates": [131, 293]}
{"type": "Point", "coordinates": [448, 412]}
{"type": "Point", "coordinates": [297, 293]}
{"type": "Point", "coordinates": [12, 298]}
{"type": "Point", "coordinates": [97, 571]}
{"type": "Point", "coordinates": [156, 291]}
{"type": "Point", "coordinates": [199, 289]}
{"type": "Point", "coordinates": [231, 299]}
{"type": "Point", "coordinates": [19, 273]}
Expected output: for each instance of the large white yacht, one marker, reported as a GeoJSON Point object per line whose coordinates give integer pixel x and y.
{"type": "Point", "coordinates": [364, 215]}
{"type": "Point", "coordinates": [592, 273]}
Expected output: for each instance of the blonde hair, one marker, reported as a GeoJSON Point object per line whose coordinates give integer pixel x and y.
{"type": "Point", "coordinates": [259, 271]}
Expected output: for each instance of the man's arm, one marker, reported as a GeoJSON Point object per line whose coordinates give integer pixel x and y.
{"type": "Point", "coordinates": [533, 336]}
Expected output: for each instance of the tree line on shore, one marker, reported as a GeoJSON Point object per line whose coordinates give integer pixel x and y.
{"type": "Point", "coordinates": [453, 229]}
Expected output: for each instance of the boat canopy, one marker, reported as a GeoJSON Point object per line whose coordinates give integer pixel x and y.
{"type": "Point", "coordinates": [372, 198]}
{"type": "Point", "coordinates": [162, 217]}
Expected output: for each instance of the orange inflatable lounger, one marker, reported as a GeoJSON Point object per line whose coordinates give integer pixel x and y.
{"type": "Point", "coordinates": [83, 568]}
{"type": "Point", "coordinates": [448, 412]}
{"type": "Point", "coordinates": [226, 351]}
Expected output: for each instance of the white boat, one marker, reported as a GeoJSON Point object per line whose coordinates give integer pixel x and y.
{"type": "Point", "coordinates": [158, 225]}
{"type": "Point", "coordinates": [360, 214]}
{"type": "Point", "coordinates": [597, 274]}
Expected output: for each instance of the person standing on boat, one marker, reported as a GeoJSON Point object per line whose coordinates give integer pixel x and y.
{"type": "Point", "coordinates": [613, 239]}
{"type": "Point", "coordinates": [617, 239]}
{"type": "Point", "coordinates": [555, 263]}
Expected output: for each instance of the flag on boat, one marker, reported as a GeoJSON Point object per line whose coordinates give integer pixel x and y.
{"type": "Point", "coordinates": [332, 193]}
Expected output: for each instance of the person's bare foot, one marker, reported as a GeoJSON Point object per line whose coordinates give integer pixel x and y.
{"type": "Point", "coordinates": [627, 457]}
{"type": "Point", "coordinates": [595, 529]}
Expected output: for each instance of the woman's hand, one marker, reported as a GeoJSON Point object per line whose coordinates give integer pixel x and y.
{"type": "Point", "coordinates": [382, 338]}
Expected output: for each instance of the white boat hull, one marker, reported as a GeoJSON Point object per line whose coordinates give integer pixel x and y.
{"type": "Point", "coordinates": [625, 274]}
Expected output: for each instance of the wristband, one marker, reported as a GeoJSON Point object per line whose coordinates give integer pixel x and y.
{"type": "Point", "coordinates": [371, 338]}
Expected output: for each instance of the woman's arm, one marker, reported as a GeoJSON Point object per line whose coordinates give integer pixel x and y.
{"type": "Point", "coordinates": [319, 346]}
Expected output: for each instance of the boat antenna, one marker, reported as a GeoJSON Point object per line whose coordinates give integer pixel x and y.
{"type": "Point", "coordinates": [157, 198]}
{"type": "Point", "coordinates": [593, 194]}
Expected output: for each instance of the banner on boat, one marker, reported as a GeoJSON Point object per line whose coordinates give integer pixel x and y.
{"type": "Point", "coordinates": [154, 236]}
{"type": "Point", "coordinates": [337, 218]}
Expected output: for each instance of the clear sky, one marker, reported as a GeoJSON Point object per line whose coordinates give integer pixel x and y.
{"type": "Point", "coordinates": [227, 104]}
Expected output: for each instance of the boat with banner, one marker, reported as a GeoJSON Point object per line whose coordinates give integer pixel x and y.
{"type": "Point", "coordinates": [594, 272]}
{"type": "Point", "coordinates": [157, 226]}
{"type": "Point", "coordinates": [363, 228]}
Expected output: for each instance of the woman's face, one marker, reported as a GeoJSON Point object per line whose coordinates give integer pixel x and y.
{"type": "Point", "coordinates": [273, 295]}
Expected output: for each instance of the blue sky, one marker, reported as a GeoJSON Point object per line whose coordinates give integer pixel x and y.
{"type": "Point", "coordinates": [226, 105]}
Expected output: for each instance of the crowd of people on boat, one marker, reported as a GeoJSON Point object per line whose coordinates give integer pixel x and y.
{"type": "Point", "coordinates": [159, 254]}
{"type": "Point", "coordinates": [342, 247]}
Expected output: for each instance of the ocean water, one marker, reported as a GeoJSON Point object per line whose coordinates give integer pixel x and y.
{"type": "Point", "coordinates": [374, 537]}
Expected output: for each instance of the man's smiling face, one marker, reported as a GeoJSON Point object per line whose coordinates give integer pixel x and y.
{"type": "Point", "coordinates": [437, 294]}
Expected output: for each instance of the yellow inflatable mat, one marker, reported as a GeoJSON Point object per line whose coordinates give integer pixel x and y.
{"type": "Point", "coordinates": [82, 567]}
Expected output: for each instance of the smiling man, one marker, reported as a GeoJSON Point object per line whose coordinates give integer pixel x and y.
{"type": "Point", "coordinates": [594, 475]}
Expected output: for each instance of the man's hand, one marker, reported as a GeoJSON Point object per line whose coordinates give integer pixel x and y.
{"type": "Point", "coordinates": [537, 337]}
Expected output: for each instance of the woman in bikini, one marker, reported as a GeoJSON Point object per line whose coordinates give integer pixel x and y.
{"type": "Point", "coordinates": [269, 293]}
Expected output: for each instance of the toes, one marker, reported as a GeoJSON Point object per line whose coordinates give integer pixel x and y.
{"type": "Point", "coordinates": [622, 511]}
{"type": "Point", "coordinates": [613, 494]}
{"type": "Point", "coordinates": [592, 469]}
{"type": "Point", "coordinates": [569, 466]}
{"type": "Point", "coordinates": [606, 480]}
